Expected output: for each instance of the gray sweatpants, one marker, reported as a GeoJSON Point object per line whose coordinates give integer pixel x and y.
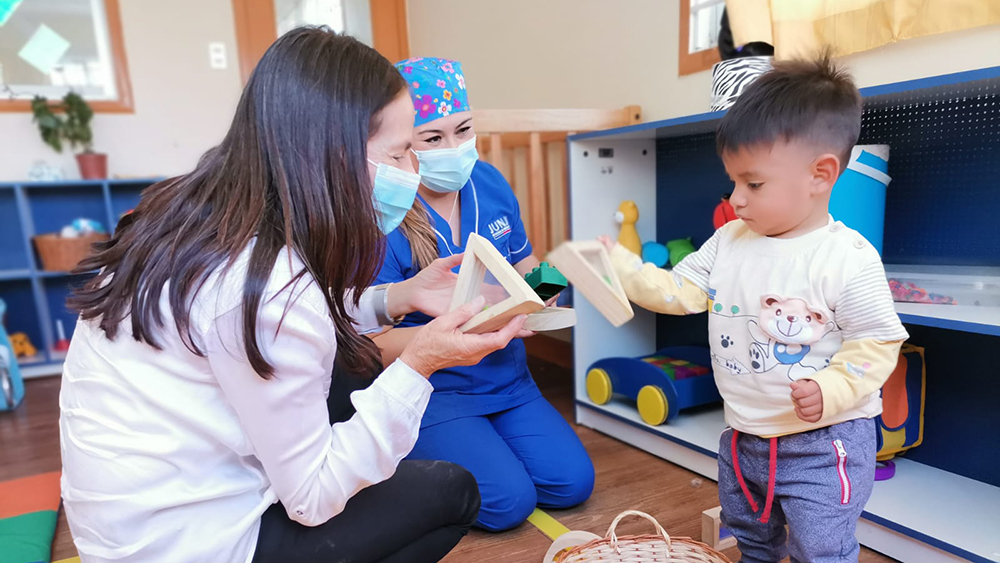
{"type": "Point", "coordinates": [821, 482]}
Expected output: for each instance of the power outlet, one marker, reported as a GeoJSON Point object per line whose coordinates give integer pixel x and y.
{"type": "Point", "coordinates": [217, 55]}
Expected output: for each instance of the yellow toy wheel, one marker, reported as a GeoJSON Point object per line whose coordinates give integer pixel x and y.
{"type": "Point", "coordinates": [599, 386]}
{"type": "Point", "coordinates": [653, 405]}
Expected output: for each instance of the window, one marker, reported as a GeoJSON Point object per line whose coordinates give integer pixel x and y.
{"type": "Point", "coordinates": [49, 47]}
{"type": "Point", "coordinates": [290, 14]}
{"type": "Point", "coordinates": [260, 22]}
{"type": "Point", "coordinates": [699, 34]}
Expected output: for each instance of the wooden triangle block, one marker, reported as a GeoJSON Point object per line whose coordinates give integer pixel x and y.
{"type": "Point", "coordinates": [550, 318]}
{"type": "Point", "coordinates": [480, 257]}
{"type": "Point", "coordinates": [587, 266]}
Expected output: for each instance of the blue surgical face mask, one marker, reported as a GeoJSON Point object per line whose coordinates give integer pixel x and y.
{"type": "Point", "coordinates": [448, 170]}
{"type": "Point", "coordinates": [393, 195]}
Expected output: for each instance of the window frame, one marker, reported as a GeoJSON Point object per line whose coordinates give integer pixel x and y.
{"type": "Point", "coordinates": [691, 63]}
{"type": "Point", "coordinates": [123, 83]}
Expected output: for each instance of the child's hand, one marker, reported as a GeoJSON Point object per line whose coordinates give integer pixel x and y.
{"type": "Point", "coordinates": [808, 400]}
{"type": "Point", "coordinates": [607, 242]}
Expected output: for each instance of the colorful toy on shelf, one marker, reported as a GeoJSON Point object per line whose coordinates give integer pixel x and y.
{"type": "Point", "coordinates": [21, 345]}
{"type": "Point", "coordinates": [662, 384]}
{"type": "Point", "coordinates": [82, 227]}
{"type": "Point", "coordinates": [655, 253]}
{"type": "Point", "coordinates": [901, 424]}
{"type": "Point", "coordinates": [627, 216]}
{"type": "Point", "coordinates": [909, 292]}
{"type": "Point", "coordinates": [546, 281]}
{"type": "Point", "coordinates": [679, 248]}
{"type": "Point", "coordinates": [62, 343]}
{"type": "Point", "coordinates": [724, 212]}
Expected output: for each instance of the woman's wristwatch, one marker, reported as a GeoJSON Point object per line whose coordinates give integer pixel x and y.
{"type": "Point", "coordinates": [380, 298]}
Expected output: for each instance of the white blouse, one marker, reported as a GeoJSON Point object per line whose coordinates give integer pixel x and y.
{"type": "Point", "coordinates": [172, 457]}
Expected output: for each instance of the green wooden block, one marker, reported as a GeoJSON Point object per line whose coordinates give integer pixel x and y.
{"type": "Point", "coordinates": [546, 281]}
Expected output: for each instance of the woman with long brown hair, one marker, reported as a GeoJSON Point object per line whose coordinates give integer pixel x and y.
{"type": "Point", "coordinates": [194, 424]}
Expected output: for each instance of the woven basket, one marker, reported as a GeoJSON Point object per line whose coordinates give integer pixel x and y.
{"type": "Point", "coordinates": [648, 548]}
{"type": "Point", "coordinates": [60, 254]}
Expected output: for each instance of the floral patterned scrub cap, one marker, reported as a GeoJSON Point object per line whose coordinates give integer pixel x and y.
{"type": "Point", "coordinates": [437, 88]}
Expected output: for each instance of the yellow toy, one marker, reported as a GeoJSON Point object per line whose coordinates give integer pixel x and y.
{"type": "Point", "coordinates": [628, 216]}
{"type": "Point", "coordinates": [22, 345]}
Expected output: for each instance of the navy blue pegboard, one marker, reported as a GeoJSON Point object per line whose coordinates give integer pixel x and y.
{"type": "Point", "coordinates": [690, 182]}
{"type": "Point", "coordinates": [944, 162]}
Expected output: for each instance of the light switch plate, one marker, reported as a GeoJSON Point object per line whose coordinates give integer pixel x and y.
{"type": "Point", "coordinates": [217, 55]}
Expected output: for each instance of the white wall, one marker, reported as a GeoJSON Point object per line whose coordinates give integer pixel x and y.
{"type": "Point", "coordinates": [182, 107]}
{"type": "Point", "coordinates": [604, 53]}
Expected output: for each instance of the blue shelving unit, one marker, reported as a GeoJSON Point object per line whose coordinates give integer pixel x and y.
{"type": "Point", "coordinates": [944, 137]}
{"type": "Point", "coordinates": [36, 298]}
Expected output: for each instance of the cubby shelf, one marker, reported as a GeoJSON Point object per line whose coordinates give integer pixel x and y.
{"type": "Point", "coordinates": [944, 133]}
{"type": "Point", "coordinates": [36, 298]}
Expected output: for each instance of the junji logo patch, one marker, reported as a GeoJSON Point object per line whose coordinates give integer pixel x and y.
{"type": "Point", "coordinates": [500, 227]}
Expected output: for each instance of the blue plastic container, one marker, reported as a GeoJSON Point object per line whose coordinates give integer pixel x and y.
{"type": "Point", "coordinates": [11, 384]}
{"type": "Point", "coordinates": [858, 198]}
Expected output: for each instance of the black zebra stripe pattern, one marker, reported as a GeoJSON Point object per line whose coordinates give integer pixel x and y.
{"type": "Point", "coordinates": [729, 78]}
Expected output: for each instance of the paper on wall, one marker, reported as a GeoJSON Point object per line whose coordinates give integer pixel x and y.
{"type": "Point", "coordinates": [44, 49]}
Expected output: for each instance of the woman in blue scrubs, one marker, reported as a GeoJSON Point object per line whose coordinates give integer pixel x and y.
{"type": "Point", "coordinates": [489, 418]}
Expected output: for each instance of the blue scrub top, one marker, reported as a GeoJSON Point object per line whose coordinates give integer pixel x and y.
{"type": "Point", "coordinates": [502, 380]}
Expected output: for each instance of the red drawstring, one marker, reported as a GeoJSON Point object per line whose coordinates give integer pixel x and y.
{"type": "Point", "coordinates": [772, 470]}
{"type": "Point", "coordinates": [771, 475]}
{"type": "Point", "coordinates": [739, 474]}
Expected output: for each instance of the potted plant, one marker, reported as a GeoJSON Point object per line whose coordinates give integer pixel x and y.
{"type": "Point", "coordinates": [72, 127]}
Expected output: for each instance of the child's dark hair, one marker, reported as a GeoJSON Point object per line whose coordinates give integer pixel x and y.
{"type": "Point", "coordinates": [812, 101]}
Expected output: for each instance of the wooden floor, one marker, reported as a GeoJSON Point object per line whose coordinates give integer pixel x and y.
{"type": "Point", "coordinates": [627, 478]}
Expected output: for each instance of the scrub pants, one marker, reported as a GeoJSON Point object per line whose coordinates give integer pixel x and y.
{"type": "Point", "coordinates": [521, 457]}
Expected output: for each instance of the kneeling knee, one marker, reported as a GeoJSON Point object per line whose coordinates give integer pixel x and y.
{"type": "Point", "coordinates": [576, 486]}
{"type": "Point", "coordinates": [508, 508]}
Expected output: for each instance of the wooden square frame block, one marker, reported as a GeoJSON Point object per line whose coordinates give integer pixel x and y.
{"type": "Point", "coordinates": [480, 257]}
{"type": "Point", "coordinates": [587, 266]}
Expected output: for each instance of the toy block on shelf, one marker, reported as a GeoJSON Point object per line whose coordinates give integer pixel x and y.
{"type": "Point", "coordinates": [587, 265]}
{"type": "Point", "coordinates": [507, 294]}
